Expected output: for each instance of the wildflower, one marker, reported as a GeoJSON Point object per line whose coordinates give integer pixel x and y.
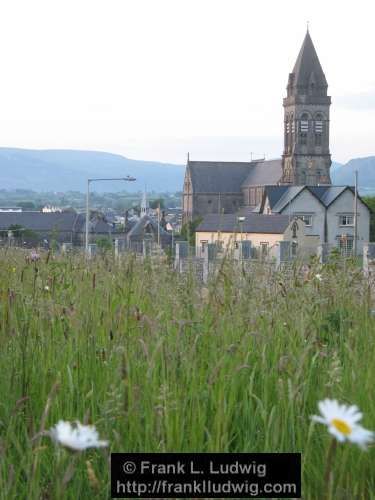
{"type": "Point", "coordinates": [319, 277]}
{"type": "Point", "coordinates": [342, 422]}
{"type": "Point", "coordinates": [78, 437]}
{"type": "Point", "coordinates": [46, 288]}
{"type": "Point", "coordinates": [34, 256]}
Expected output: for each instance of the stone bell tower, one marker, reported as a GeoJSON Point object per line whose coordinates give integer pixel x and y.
{"type": "Point", "coordinates": [306, 158]}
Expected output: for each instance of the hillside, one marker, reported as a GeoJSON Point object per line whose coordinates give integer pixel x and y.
{"type": "Point", "coordinates": [366, 174]}
{"type": "Point", "coordinates": [67, 170]}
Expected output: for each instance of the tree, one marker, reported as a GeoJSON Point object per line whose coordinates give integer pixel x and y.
{"type": "Point", "coordinates": [16, 230]}
{"type": "Point", "coordinates": [104, 244]}
{"type": "Point", "coordinates": [154, 204]}
{"type": "Point", "coordinates": [188, 230]}
{"type": "Point", "coordinates": [26, 205]}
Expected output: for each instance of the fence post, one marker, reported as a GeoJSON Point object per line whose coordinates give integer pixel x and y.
{"type": "Point", "coordinates": [182, 248]}
{"type": "Point", "coordinates": [66, 248]}
{"type": "Point", "coordinates": [92, 250]}
{"type": "Point", "coordinates": [284, 251]}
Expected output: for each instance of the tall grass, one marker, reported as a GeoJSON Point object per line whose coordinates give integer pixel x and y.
{"type": "Point", "coordinates": [159, 363]}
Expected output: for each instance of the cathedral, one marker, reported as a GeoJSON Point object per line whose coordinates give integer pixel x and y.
{"type": "Point", "coordinates": [224, 187]}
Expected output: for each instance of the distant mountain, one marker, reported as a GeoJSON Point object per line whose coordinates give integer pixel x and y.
{"type": "Point", "coordinates": [366, 174]}
{"type": "Point", "coordinates": [68, 170]}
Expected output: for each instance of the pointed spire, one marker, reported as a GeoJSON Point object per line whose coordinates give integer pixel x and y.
{"type": "Point", "coordinates": [144, 203]}
{"type": "Point", "coordinates": [307, 76]}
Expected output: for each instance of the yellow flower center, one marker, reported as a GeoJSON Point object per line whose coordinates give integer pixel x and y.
{"type": "Point", "coordinates": [341, 426]}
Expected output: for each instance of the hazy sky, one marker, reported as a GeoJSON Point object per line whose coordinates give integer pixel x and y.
{"type": "Point", "coordinates": [152, 79]}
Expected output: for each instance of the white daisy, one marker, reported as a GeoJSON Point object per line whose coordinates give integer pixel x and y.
{"type": "Point", "coordinates": [318, 277]}
{"type": "Point", "coordinates": [342, 422]}
{"type": "Point", "coordinates": [76, 437]}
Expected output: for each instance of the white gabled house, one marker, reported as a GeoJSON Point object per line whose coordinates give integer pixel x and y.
{"type": "Point", "coordinates": [327, 211]}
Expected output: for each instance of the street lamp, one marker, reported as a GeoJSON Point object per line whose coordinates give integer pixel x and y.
{"type": "Point", "coordinates": [128, 178]}
{"type": "Point", "coordinates": [240, 221]}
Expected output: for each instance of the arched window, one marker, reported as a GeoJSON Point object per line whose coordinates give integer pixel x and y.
{"type": "Point", "coordinates": [304, 128]}
{"type": "Point", "coordinates": [294, 230]}
{"type": "Point", "coordinates": [318, 129]}
{"type": "Point", "coordinates": [287, 133]}
{"type": "Point", "coordinates": [292, 124]}
{"type": "Point", "coordinates": [287, 124]}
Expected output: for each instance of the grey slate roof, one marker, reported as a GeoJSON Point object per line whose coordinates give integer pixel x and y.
{"type": "Point", "coordinates": [54, 221]}
{"type": "Point", "coordinates": [137, 231]}
{"type": "Point", "coordinates": [218, 176]}
{"type": "Point", "coordinates": [327, 194]}
{"type": "Point", "coordinates": [264, 172]}
{"type": "Point", "coordinates": [274, 193]}
{"type": "Point", "coordinates": [287, 197]}
{"type": "Point", "coordinates": [38, 221]}
{"type": "Point", "coordinates": [230, 177]}
{"type": "Point", "coordinates": [307, 68]}
{"type": "Point", "coordinates": [280, 196]}
{"type": "Point", "coordinates": [253, 223]}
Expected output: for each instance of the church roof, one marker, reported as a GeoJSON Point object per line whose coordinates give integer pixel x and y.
{"type": "Point", "coordinates": [307, 69]}
{"type": "Point", "coordinates": [264, 172]}
{"type": "Point", "coordinates": [230, 177]}
{"type": "Point", "coordinates": [217, 176]}
{"type": "Point", "coordinates": [253, 223]}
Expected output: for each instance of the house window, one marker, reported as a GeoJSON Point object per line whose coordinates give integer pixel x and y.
{"type": "Point", "coordinates": [220, 246]}
{"type": "Point", "coordinates": [346, 220]}
{"type": "Point", "coordinates": [209, 202]}
{"type": "Point", "coordinates": [264, 249]}
{"type": "Point", "coordinates": [252, 196]}
{"type": "Point", "coordinates": [293, 248]}
{"type": "Point", "coordinates": [346, 245]}
{"type": "Point", "coordinates": [307, 219]}
{"type": "Point", "coordinates": [204, 244]}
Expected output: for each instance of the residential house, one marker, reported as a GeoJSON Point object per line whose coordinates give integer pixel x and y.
{"type": "Point", "coordinates": [64, 227]}
{"type": "Point", "coordinates": [327, 211]}
{"type": "Point", "coordinates": [263, 231]}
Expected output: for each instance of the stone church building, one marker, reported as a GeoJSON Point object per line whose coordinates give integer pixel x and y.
{"type": "Point", "coordinates": [223, 187]}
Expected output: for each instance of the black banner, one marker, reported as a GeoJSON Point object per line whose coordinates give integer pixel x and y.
{"type": "Point", "coordinates": [206, 475]}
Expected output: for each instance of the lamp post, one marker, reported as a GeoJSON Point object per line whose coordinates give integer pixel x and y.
{"type": "Point", "coordinates": [128, 178]}
{"type": "Point", "coordinates": [240, 221]}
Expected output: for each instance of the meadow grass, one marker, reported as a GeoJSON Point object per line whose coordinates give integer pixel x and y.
{"type": "Point", "coordinates": [159, 362]}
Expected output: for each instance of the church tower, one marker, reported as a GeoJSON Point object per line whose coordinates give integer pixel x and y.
{"type": "Point", "coordinates": [306, 157]}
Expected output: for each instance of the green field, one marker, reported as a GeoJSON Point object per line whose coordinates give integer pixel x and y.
{"type": "Point", "coordinates": [159, 363]}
